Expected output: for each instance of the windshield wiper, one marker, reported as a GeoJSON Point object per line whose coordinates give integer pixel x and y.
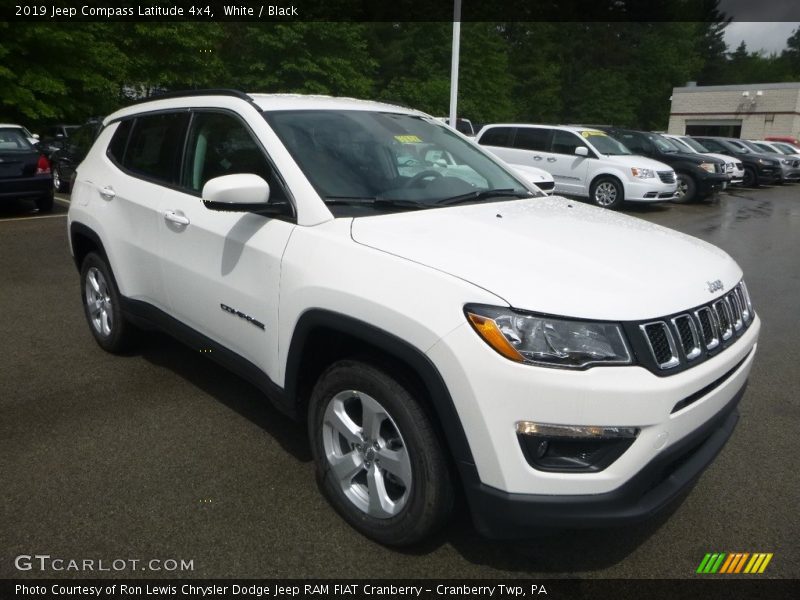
{"type": "Point", "coordinates": [483, 194]}
{"type": "Point", "coordinates": [374, 201]}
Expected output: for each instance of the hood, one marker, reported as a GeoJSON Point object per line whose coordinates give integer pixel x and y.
{"type": "Point", "coordinates": [694, 157]}
{"type": "Point", "coordinates": [558, 256]}
{"type": "Point", "coordinates": [636, 160]}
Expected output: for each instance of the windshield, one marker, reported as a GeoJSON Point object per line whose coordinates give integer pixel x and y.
{"type": "Point", "coordinates": [681, 145]}
{"type": "Point", "coordinates": [604, 144]}
{"type": "Point", "coordinates": [751, 146]}
{"type": "Point", "coordinates": [384, 158]}
{"type": "Point", "coordinates": [786, 148]}
{"type": "Point", "coordinates": [663, 144]}
{"type": "Point", "coordinates": [694, 145]}
{"type": "Point", "coordinates": [740, 147]}
{"type": "Point", "coordinates": [12, 139]}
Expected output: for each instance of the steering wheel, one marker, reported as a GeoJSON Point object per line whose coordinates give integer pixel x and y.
{"type": "Point", "coordinates": [427, 174]}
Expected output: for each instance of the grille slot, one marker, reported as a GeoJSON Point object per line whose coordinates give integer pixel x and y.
{"type": "Point", "coordinates": [723, 313]}
{"type": "Point", "coordinates": [659, 338]}
{"type": "Point", "coordinates": [688, 336]}
{"type": "Point", "coordinates": [667, 176]}
{"type": "Point", "coordinates": [708, 327]}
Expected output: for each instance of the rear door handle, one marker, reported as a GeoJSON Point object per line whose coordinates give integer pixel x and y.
{"type": "Point", "coordinates": [551, 159]}
{"type": "Point", "coordinates": [174, 217]}
{"type": "Point", "coordinates": [108, 192]}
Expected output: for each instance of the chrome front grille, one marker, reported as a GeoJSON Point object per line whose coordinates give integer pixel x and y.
{"type": "Point", "coordinates": [667, 176]}
{"type": "Point", "coordinates": [686, 337]}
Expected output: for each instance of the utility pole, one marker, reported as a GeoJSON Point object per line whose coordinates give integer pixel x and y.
{"type": "Point", "coordinates": [454, 63]}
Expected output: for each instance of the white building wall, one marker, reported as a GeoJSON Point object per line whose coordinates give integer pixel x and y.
{"type": "Point", "coordinates": [775, 112]}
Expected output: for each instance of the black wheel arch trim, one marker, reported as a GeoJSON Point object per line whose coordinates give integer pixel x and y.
{"type": "Point", "coordinates": [76, 229]}
{"type": "Point", "coordinates": [396, 347]}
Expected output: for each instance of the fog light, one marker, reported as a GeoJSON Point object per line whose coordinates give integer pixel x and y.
{"type": "Point", "coordinates": [573, 448]}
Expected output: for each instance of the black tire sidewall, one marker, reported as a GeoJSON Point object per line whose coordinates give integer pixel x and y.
{"type": "Point", "coordinates": [750, 173]}
{"type": "Point", "coordinates": [431, 496]}
{"type": "Point", "coordinates": [616, 183]}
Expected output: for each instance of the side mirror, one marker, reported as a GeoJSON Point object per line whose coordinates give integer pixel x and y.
{"type": "Point", "coordinates": [240, 192]}
{"type": "Point", "coordinates": [582, 151]}
{"type": "Point", "coordinates": [36, 136]}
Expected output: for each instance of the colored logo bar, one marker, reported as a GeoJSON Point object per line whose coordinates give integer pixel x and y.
{"type": "Point", "coordinates": [734, 562]}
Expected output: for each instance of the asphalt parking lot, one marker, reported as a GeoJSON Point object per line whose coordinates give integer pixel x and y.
{"type": "Point", "coordinates": [163, 455]}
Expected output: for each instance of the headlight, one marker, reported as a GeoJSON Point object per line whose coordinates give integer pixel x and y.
{"type": "Point", "coordinates": [786, 162]}
{"type": "Point", "coordinates": [549, 341]}
{"type": "Point", "coordinates": [642, 173]}
{"type": "Point", "coordinates": [764, 161]}
{"type": "Point", "coordinates": [709, 167]}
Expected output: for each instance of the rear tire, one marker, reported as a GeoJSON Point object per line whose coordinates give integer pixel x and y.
{"type": "Point", "coordinates": [379, 461]}
{"type": "Point", "coordinates": [102, 306]}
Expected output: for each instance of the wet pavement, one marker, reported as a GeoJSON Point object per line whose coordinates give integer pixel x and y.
{"type": "Point", "coordinates": [163, 455]}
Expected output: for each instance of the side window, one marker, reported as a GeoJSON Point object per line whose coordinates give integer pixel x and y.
{"type": "Point", "coordinates": [496, 136]}
{"type": "Point", "coordinates": [116, 148]}
{"type": "Point", "coordinates": [155, 145]}
{"type": "Point", "coordinates": [565, 142]}
{"type": "Point", "coordinates": [530, 138]}
{"type": "Point", "coordinates": [219, 144]}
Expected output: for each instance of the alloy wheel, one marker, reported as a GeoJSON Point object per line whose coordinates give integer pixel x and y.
{"type": "Point", "coordinates": [98, 302]}
{"type": "Point", "coordinates": [605, 194]}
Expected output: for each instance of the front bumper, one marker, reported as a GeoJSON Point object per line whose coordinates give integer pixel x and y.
{"type": "Point", "coordinates": [492, 394]}
{"type": "Point", "coordinates": [712, 182]}
{"type": "Point", "coordinates": [649, 190]}
{"type": "Point", "coordinates": [499, 514]}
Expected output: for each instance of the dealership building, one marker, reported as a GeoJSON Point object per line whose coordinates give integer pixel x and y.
{"type": "Point", "coordinates": [751, 111]}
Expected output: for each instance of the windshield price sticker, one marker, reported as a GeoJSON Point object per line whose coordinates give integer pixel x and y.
{"type": "Point", "coordinates": [408, 139]}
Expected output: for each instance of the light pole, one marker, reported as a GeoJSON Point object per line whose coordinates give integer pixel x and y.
{"type": "Point", "coordinates": [454, 62]}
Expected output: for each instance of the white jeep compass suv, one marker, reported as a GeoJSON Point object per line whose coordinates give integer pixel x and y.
{"type": "Point", "coordinates": [444, 332]}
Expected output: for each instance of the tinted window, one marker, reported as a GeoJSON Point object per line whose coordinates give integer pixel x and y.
{"type": "Point", "coordinates": [497, 136]}
{"type": "Point", "coordinates": [565, 142]}
{"type": "Point", "coordinates": [155, 146]}
{"type": "Point", "coordinates": [116, 149]}
{"type": "Point", "coordinates": [219, 144]}
{"type": "Point", "coordinates": [82, 137]}
{"type": "Point", "coordinates": [529, 138]}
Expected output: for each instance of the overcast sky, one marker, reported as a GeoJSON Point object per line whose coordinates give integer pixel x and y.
{"type": "Point", "coordinates": [770, 37]}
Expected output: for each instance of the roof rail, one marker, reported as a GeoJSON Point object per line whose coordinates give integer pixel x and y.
{"type": "Point", "coordinates": [189, 93]}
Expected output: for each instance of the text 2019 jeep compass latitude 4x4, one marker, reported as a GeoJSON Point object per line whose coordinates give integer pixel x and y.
{"type": "Point", "coordinates": [443, 331]}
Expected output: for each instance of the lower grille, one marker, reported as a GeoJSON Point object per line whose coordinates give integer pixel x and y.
{"type": "Point", "coordinates": [546, 186]}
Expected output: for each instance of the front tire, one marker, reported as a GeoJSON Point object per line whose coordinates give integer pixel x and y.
{"type": "Point", "coordinates": [58, 181]}
{"type": "Point", "coordinates": [102, 306]}
{"type": "Point", "coordinates": [607, 192]}
{"type": "Point", "coordinates": [687, 189]}
{"type": "Point", "coordinates": [750, 178]}
{"type": "Point", "coordinates": [379, 461]}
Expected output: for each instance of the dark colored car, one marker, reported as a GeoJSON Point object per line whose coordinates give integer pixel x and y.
{"type": "Point", "coordinates": [24, 170]}
{"type": "Point", "coordinates": [758, 168]}
{"type": "Point", "coordinates": [65, 160]}
{"type": "Point", "coordinates": [698, 176]}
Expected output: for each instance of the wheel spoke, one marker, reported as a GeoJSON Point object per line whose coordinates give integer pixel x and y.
{"type": "Point", "coordinates": [92, 279]}
{"type": "Point", "coordinates": [346, 467]}
{"type": "Point", "coordinates": [104, 322]}
{"type": "Point", "coordinates": [380, 505]}
{"type": "Point", "coordinates": [397, 463]}
{"type": "Point", "coordinates": [373, 416]}
{"type": "Point", "coordinates": [341, 422]}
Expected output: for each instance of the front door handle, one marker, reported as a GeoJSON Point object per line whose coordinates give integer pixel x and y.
{"type": "Point", "coordinates": [108, 193]}
{"type": "Point", "coordinates": [174, 217]}
{"type": "Point", "coordinates": [537, 158]}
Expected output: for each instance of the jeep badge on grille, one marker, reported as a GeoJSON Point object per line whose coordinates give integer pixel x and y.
{"type": "Point", "coordinates": [714, 286]}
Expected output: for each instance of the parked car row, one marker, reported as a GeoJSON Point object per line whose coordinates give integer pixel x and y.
{"type": "Point", "coordinates": [24, 169]}
{"type": "Point", "coordinates": [610, 165]}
